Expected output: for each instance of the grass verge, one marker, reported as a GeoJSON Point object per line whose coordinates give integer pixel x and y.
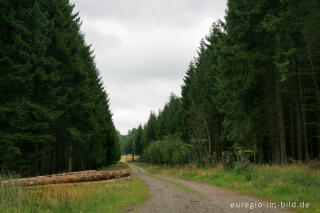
{"type": "Point", "coordinates": [277, 183]}
{"type": "Point", "coordinates": [87, 197]}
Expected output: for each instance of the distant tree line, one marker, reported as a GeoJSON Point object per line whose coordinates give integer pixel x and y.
{"type": "Point", "coordinates": [124, 143]}
{"type": "Point", "coordinates": [253, 88]}
{"type": "Point", "coordinates": [54, 111]}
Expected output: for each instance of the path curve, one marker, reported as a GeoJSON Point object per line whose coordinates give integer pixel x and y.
{"type": "Point", "coordinates": [165, 197]}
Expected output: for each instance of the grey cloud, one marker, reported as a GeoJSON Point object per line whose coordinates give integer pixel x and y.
{"type": "Point", "coordinates": [143, 48]}
{"type": "Point", "coordinates": [157, 13]}
{"type": "Point", "coordinates": [135, 101]}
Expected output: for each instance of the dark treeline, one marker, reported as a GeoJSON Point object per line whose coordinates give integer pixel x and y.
{"type": "Point", "coordinates": [54, 111]}
{"type": "Point", "coordinates": [124, 143]}
{"type": "Point", "coordinates": [132, 142]}
{"type": "Point", "coordinates": [253, 88]}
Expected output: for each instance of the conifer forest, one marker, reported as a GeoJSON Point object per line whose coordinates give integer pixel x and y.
{"type": "Point", "coordinates": [54, 110]}
{"type": "Point", "coordinates": [251, 93]}
{"type": "Point", "coordinates": [144, 106]}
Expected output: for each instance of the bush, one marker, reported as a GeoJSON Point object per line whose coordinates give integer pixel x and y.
{"type": "Point", "coordinates": [242, 167]}
{"type": "Point", "coordinates": [228, 160]}
{"type": "Point", "coordinates": [169, 151]}
{"type": "Point", "coordinates": [245, 168]}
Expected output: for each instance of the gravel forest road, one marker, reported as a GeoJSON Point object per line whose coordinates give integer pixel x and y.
{"type": "Point", "coordinates": [168, 194]}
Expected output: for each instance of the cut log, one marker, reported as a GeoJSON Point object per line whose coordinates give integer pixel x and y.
{"type": "Point", "coordinates": [71, 177]}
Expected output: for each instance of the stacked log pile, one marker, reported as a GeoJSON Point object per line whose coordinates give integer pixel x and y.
{"type": "Point", "coordinates": [70, 177]}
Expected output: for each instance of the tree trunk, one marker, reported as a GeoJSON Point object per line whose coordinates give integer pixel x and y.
{"type": "Point", "coordinates": [261, 153]}
{"type": "Point", "coordinates": [218, 143]}
{"type": "Point", "coordinates": [269, 150]}
{"type": "Point", "coordinates": [317, 91]}
{"type": "Point", "coordinates": [313, 71]}
{"type": "Point", "coordinates": [71, 177]}
{"type": "Point", "coordinates": [54, 156]}
{"type": "Point", "coordinates": [302, 112]}
{"type": "Point", "coordinates": [275, 144]}
{"type": "Point", "coordinates": [312, 145]}
{"type": "Point", "coordinates": [255, 153]}
{"type": "Point", "coordinates": [299, 132]}
{"type": "Point", "coordinates": [208, 136]}
{"type": "Point", "coordinates": [36, 169]}
{"type": "Point", "coordinates": [70, 158]}
{"type": "Point", "coordinates": [292, 131]}
{"type": "Point", "coordinates": [280, 119]}
{"type": "Point", "coordinates": [305, 136]}
{"type": "Point", "coordinates": [319, 148]}
{"type": "Point", "coordinates": [82, 164]}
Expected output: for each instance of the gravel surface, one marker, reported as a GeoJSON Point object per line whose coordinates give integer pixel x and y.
{"type": "Point", "coordinates": [166, 197]}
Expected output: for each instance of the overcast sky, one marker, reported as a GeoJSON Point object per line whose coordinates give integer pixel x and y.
{"type": "Point", "coordinates": [143, 48]}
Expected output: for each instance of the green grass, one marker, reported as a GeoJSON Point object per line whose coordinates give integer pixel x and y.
{"type": "Point", "coordinates": [276, 183]}
{"type": "Point", "coordinates": [81, 197]}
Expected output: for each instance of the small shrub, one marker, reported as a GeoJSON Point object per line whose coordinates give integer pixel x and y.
{"type": "Point", "coordinates": [228, 160]}
{"type": "Point", "coordinates": [242, 167]}
{"type": "Point", "coordinates": [169, 151]}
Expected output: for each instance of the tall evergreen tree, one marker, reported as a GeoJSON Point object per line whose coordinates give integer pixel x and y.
{"type": "Point", "coordinates": [54, 111]}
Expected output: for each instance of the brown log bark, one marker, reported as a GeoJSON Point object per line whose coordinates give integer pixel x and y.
{"type": "Point", "coordinates": [70, 177]}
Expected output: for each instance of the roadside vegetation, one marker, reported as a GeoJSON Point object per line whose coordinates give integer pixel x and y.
{"type": "Point", "coordinates": [110, 196]}
{"type": "Point", "coordinates": [299, 182]}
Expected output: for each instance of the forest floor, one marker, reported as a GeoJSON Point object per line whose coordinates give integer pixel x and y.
{"type": "Point", "coordinates": [298, 184]}
{"type": "Point", "coordinates": [172, 194]}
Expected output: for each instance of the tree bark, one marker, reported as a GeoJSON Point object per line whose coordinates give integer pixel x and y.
{"type": "Point", "coordinates": [299, 132]}
{"type": "Point", "coordinates": [208, 136]}
{"type": "Point", "coordinates": [71, 177]}
{"type": "Point", "coordinates": [217, 142]}
{"type": "Point", "coordinates": [70, 158]}
{"type": "Point", "coordinates": [275, 144]}
{"type": "Point", "coordinates": [54, 157]}
{"type": "Point", "coordinates": [280, 119]}
{"type": "Point", "coordinates": [269, 149]}
{"type": "Point", "coordinates": [303, 116]}
{"type": "Point", "coordinates": [317, 91]}
{"type": "Point", "coordinates": [261, 153]}
{"type": "Point", "coordinates": [292, 131]}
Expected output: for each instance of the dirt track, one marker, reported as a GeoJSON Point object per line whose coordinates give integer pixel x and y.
{"type": "Point", "coordinates": [166, 197]}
